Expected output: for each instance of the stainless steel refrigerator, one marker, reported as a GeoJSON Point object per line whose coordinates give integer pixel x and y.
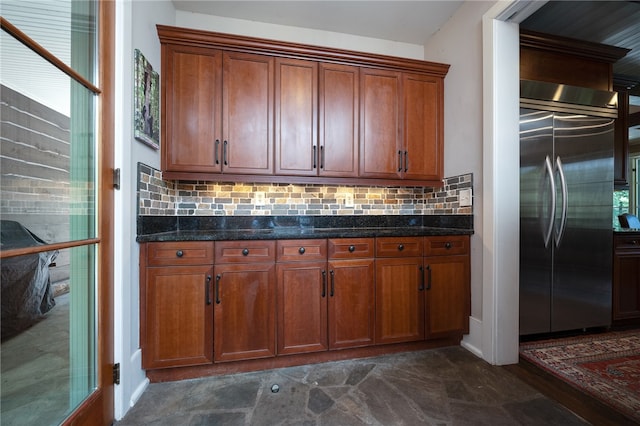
{"type": "Point", "coordinates": [566, 199]}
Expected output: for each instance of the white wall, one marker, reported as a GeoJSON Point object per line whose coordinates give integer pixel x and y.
{"type": "Point", "coordinates": [135, 28]}
{"type": "Point", "coordinates": [298, 35]}
{"type": "Point", "coordinates": [459, 43]}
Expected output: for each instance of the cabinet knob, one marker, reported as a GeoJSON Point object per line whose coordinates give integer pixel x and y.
{"type": "Point", "coordinates": [447, 245]}
{"type": "Point", "coordinates": [352, 249]}
{"type": "Point", "coordinates": [245, 252]}
{"type": "Point", "coordinates": [400, 247]}
{"type": "Point", "coordinates": [634, 242]}
{"type": "Point", "coordinates": [179, 253]}
{"type": "Point", "coordinates": [301, 250]}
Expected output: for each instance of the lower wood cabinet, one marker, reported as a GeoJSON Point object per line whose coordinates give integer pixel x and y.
{"type": "Point", "coordinates": [177, 309]}
{"type": "Point", "coordinates": [447, 292]}
{"type": "Point", "coordinates": [245, 300]}
{"type": "Point", "coordinates": [422, 297]}
{"type": "Point", "coordinates": [302, 296]}
{"type": "Point", "coordinates": [626, 278]}
{"type": "Point", "coordinates": [399, 290]}
{"type": "Point", "coordinates": [351, 292]}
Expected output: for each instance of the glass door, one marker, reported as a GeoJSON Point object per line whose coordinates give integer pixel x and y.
{"type": "Point", "coordinates": [53, 240]}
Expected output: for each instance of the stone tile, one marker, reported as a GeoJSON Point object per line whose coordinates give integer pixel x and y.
{"type": "Point", "coordinates": [358, 372]}
{"type": "Point", "coordinates": [464, 414]}
{"type": "Point", "coordinates": [232, 396]}
{"type": "Point", "coordinates": [542, 411]}
{"type": "Point", "coordinates": [447, 386]}
{"type": "Point", "coordinates": [387, 405]}
{"type": "Point", "coordinates": [319, 401]}
{"type": "Point", "coordinates": [289, 404]}
{"type": "Point", "coordinates": [341, 416]}
{"type": "Point", "coordinates": [227, 419]}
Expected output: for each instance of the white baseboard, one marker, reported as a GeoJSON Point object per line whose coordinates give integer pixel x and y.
{"type": "Point", "coordinates": [137, 393]}
{"type": "Point", "coordinates": [473, 341]}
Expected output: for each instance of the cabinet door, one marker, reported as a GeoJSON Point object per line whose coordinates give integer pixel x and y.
{"type": "Point", "coordinates": [247, 113]}
{"type": "Point", "coordinates": [178, 317]}
{"type": "Point", "coordinates": [339, 114]}
{"type": "Point", "coordinates": [399, 300]}
{"type": "Point", "coordinates": [244, 313]}
{"type": "Point", "coordinates": [381, 151]}
{"type": "Point", "coordinates": [447, 295]}
{"type": "Point", "coordinates": [626, 286]}
{"type": "Point", "coordinates": [626, 278]}
{"type": "Point", "coordinates": [192, 109]}
{"type": "Point", "coordinates": [351, 303]}
{"type": "Point", "coordinates": [423, 154]}
{"type": "Point", "coordinates": [302, 307]}
{"type": "Point", "coordinates": [296, 117]}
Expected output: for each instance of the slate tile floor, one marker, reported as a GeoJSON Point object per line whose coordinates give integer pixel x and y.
{"type": "Point", "coordinates": [448, 386]}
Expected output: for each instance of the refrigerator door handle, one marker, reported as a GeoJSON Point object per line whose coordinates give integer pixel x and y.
{"type": "Point", "coordinates": [563, 186]}
{"type": "Point", "coordinates": [552, 184]}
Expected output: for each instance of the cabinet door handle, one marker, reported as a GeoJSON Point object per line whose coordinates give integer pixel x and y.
{"type": "Point", "coordinates": [324, 283]}
{"type": "Point", "coordinates": [428, 277]}
{"type": "Point", "coordinates": [179, 253]}
{"type": "Point", "coordinates": [447, 245]}
{"type": "Point", "coordinates": [207, 292]}
{"type": "Point", "coordinates": [333, 284]}
{"type": "Point", "coordinates": [322, 156]}
{"type": "Point", "coordinates": [218, 277]}
{"type": "Point", "coordinates": [301, 250]}
{"type": "Point", "coordinates": [224, 153]}
{"type": "Point", "coordinates": [399, 161]}
{"type": "Point", "coordinates": [421, 288]}
{"type": "Point", "coordinates": [217, 151]}
{"type": "Point", "coordinates": [406, 162]}
{"type": "Point", "coordinates": [245, 252]}
{"type": "Point", "coordinates": [315, 149]}
{"type": "Point", "coordinates": [400, 247]}
{"type": "Point", "coordinates": [352, 249]}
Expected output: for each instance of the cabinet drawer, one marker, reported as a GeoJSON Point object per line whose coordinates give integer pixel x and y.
{"type": "Point", "coordinates": [180, 253]}
{"type": "Point", "coordinates": [301, 250]}
{"type": "Point", "coordinates": [627, 243]}
{"type": "Point", "coordinates": [350, 248]}
{"type": "Point", "coordinates": [398, 246]}
{"type": "Point", "coordinates": [446, 245]}
{"type": "Point", "coordinates": [245, 251]}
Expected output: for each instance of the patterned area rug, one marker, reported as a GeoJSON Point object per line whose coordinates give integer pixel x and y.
{"type": "Point", "coordinates": [605, 366]}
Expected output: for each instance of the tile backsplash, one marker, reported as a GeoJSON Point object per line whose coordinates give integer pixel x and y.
{"type": "Point", "coordinates": [158, 197]}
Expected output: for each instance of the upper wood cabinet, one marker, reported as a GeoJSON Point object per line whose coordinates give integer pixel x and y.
{"type": "Point", "coordinates": [621, 139]}
{"type": "Point", "coordinates": [296, 117]}
{"type": "Point", "coordinates": [547, 57]}
{"type": "Point", "coordinates": [247, 109]}
{"type": "Point", "coordinates": [401, 125]}
{"type": "Point", "coordinates": [380, 124]}
{"type": "Point", "coordinates": [338, 120]}
{"type": "Point", "coordinates": [217, 111]}
{"type": "Point", "coordinates": [423, 105]}
{"type": "Point", "coordinates": [267, 111]}
{"type": "Point", "coordinates": [191, 109]}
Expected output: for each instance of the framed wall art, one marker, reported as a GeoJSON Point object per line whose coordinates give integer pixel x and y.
{"type": "Point", "coordinates": [146, 102]}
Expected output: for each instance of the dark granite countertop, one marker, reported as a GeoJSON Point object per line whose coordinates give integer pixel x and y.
{"type": "Point", "coordinates": [159, 228]}
{"type": "Point", "coordinates": [626, 231]}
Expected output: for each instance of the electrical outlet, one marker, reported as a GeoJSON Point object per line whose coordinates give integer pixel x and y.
{"type": "Point", "coordinates": [259, 199]}
{"type": "Point", "coordinates": [348, 200]}
{"type": "Point", "coordinates": [465, 197]}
